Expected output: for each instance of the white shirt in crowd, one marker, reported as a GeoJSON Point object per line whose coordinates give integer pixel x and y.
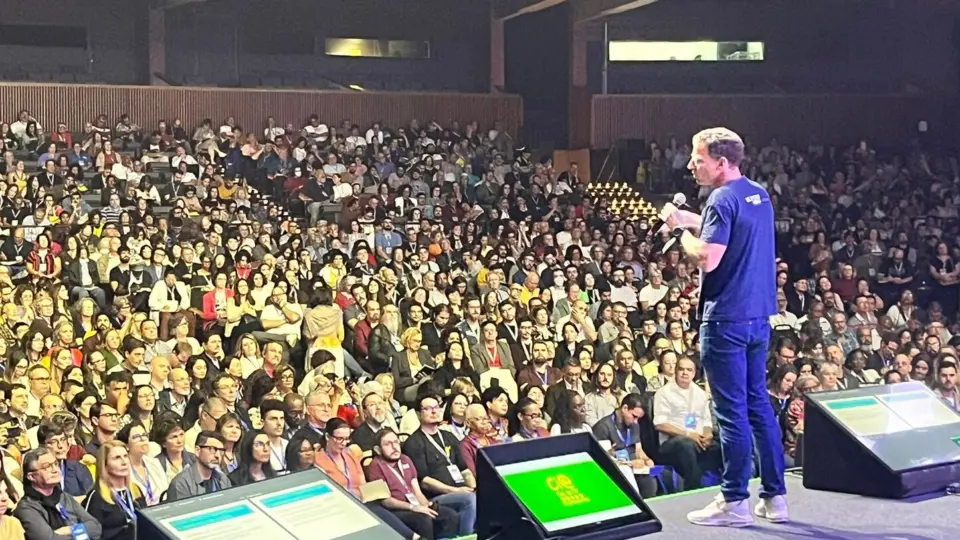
{"type": "Point", "coordinates": [784, 319]}
{"type": "Point", "coordinates": [188, 159]}
{"type": "Point", "coordinates": [335, 168]}
{"type": "Point", "coordinates": [272, 133]}
{"type": "Point", "coordinates": [682, 408]}
{"type": "Point", "coordinates": [273, 313]}
{"type": "Point", "coordinates": [651, 295]}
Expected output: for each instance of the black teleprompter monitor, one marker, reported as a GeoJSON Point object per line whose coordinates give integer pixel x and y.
{"type": "Point", "coordinates": [563, 486]}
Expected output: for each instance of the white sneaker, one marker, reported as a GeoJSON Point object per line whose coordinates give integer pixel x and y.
{"type": "Point", "coordinates": [721, 513]}
{"type": "Point", "coordinates": [773, 509]}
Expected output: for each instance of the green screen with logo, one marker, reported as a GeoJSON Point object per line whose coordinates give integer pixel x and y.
{"type": "Point", "coordinates": [567, 491]}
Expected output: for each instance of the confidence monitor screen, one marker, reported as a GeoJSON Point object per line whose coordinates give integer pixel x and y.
{"type": "Point", "coordinates": [565, 492]}
{"type": "Point", "coordinates": [905, 425]}
{"type": "Point", "coordinates": [302, 506]}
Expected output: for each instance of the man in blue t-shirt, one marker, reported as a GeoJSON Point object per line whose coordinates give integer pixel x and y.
{"type": "Point", "coordinates": [734, 244]}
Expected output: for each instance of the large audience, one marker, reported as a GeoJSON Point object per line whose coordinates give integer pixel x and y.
{"type": "Point", "coordinates": [189, 308]}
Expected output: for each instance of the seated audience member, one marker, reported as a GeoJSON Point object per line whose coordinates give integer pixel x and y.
{"type": "Point", "coordinates": [681, 414]}
{"type": "Point", "coordinates": [318, 411]}
{"type": "Point", "coordinates": [45, 511]}
{"type": "Point", "coordinates": [792, 421]}
{"type": "Point", "coordinates": [115, 499]}
{"type": "Point", "coordinates": [945, 386]}
{"type": "Point", "coordinates": [76, 478]}
{"type": "Point", "coordinates": [302, 451]}
{"type": "Point", "coordinates": [174, 457]}
{"type": "Point", "coordinates": [10, 526]}
{"type": "Point", "coordinates": [622, 430]}
{"type": "Point", "coordinates": [145, 470]}
{"type": "Point", "coordinates": [177, 394]}
{"type": "Point", "coordinates": [571, 381]}
{"type": "Point", "coordinates": [253, 460]}
{"type": "Point", "coordinates": [570, 414]}
{"type": "Point", "coordinates": [480, 433]}
{"type": "Point", "coordinates": [204, 475]}
{"type": "Point", "coordinates": [454, 416]}
{"type": "Point", "coordinates": [375, 409]}
{"type": "Point", "coordinates": [106, 422]}
{"type": "Point", "coordinates": [344, 468]}
{"type": "Point", "coordinates": [428, 519]}
{"type": "Point", "coordinates": [539, 371]}
{"type": "Point", "coordinates": [445, 475]}
{"type": "Point", "coordinates": [497, 403]}
{"type": "Point", "coordinates": [527, 421]}
{"type": "Point", "coordinates": [273, 413]}
{"type": "Point", "coordinates": [605, 398]}
{"type": "Point", "coordinates": [210, 412]}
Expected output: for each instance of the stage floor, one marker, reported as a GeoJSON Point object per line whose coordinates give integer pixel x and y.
{"type": "Point", "coordinates": [819, 514]}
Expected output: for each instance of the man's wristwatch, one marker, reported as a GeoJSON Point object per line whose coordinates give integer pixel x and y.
{"type": "Point", "coordinates": [677, 232]}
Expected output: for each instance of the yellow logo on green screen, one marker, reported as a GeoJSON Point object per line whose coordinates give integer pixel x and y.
{"type": "Point", "coordinates": [566, 491]}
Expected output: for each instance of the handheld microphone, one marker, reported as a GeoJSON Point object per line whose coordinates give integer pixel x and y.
{"type": "Point", "coordinates": [680, 201]}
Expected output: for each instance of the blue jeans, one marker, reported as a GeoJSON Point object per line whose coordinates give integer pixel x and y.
{"type": "Point", "coordinates": [465, 504]}
{"type": "Point", "coordinates": [734, 356]}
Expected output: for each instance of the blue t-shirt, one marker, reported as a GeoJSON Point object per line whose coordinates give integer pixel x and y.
{"type": "Point", "coordinates": [739, 215]}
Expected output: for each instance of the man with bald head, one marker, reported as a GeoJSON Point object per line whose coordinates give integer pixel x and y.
{"type": "Point", "coordinates": [210, 412]}
{"type": "Point", "coordinates": [49, 404]}
{"type": "Point", "coordinates": [903, 366]}
{"type": "Point", "coordinates": [175, 396]}
{"type": "Point", "coordinates": [159, 373]}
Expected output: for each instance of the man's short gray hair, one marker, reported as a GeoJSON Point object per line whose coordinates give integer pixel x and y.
{"type": "Point", "coordinates": [31, 458]}
{"type": "Point", "coordinates": [721, 143]}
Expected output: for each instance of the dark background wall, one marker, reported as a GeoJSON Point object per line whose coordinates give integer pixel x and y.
{"type": "Point", "coordinates": [537, 67]}
{"type": "Point", "coordinates": [110, 52]}
{"type": "Point", "coordinates": [281, 43]}
{"type": "Point", "coordinates": [251, 43]}
{"type": "Point", "coordinates": [812, 46]}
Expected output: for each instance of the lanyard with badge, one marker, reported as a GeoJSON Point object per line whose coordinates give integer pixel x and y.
{"type": "Point", "coordinates": [459, 431]}
{"type": "Point", "coordinates": [145, 481]}
{"type": "Point", "coordinates": [455, 473]}
{"type": "Point", "coordinates": [407, 492]}
{"type": "Point", "coordinates": [78, 530]}
{"type": "Point", "coordinates": [546, 376]}
{"type": "Point", "coordinates": [346, 469]}
{"type": "Point", "coordinates": [528, 435]}
{"type": "Point", "coordinates": [125, 502]}
{"type": "Point", "coordinates": [626, 437]}
{"type": "Point", "coordinates": [690, 422]}
{"type": "Point", "coordinates": [282, 460]}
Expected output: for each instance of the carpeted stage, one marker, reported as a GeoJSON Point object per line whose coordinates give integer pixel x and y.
{"type": "Point", "coordinates": [819, 515]}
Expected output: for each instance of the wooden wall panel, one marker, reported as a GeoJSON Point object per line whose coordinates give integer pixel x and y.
{"type": "Point", "coordinates": [884, 120]}
{"type": "Point", "coordinates": [76, 104]}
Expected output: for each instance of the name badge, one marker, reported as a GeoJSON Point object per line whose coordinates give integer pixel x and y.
{"type": "Point", "coordinates": [79, 532]}
{"type": "Point", "coordinates": [690, 422]}
{"type": "Point", "coordinates": [622, 455]}
{"type": "Point", "coordinates": [455, 474]}
{"type": "Point", "coordinates": [412, 499]}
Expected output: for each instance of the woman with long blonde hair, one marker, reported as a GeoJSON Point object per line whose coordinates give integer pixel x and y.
{"type": "Point", "coordinates": [115, 497]}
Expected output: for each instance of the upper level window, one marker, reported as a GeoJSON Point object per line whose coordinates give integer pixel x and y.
{"type": "Point", "coordinates": [685, 51]}
{"type": "Point", "coordinates": [377, 48]}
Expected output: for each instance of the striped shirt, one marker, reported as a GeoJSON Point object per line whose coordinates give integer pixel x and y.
{"type": "Point", "coordinates": [110, 214]}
